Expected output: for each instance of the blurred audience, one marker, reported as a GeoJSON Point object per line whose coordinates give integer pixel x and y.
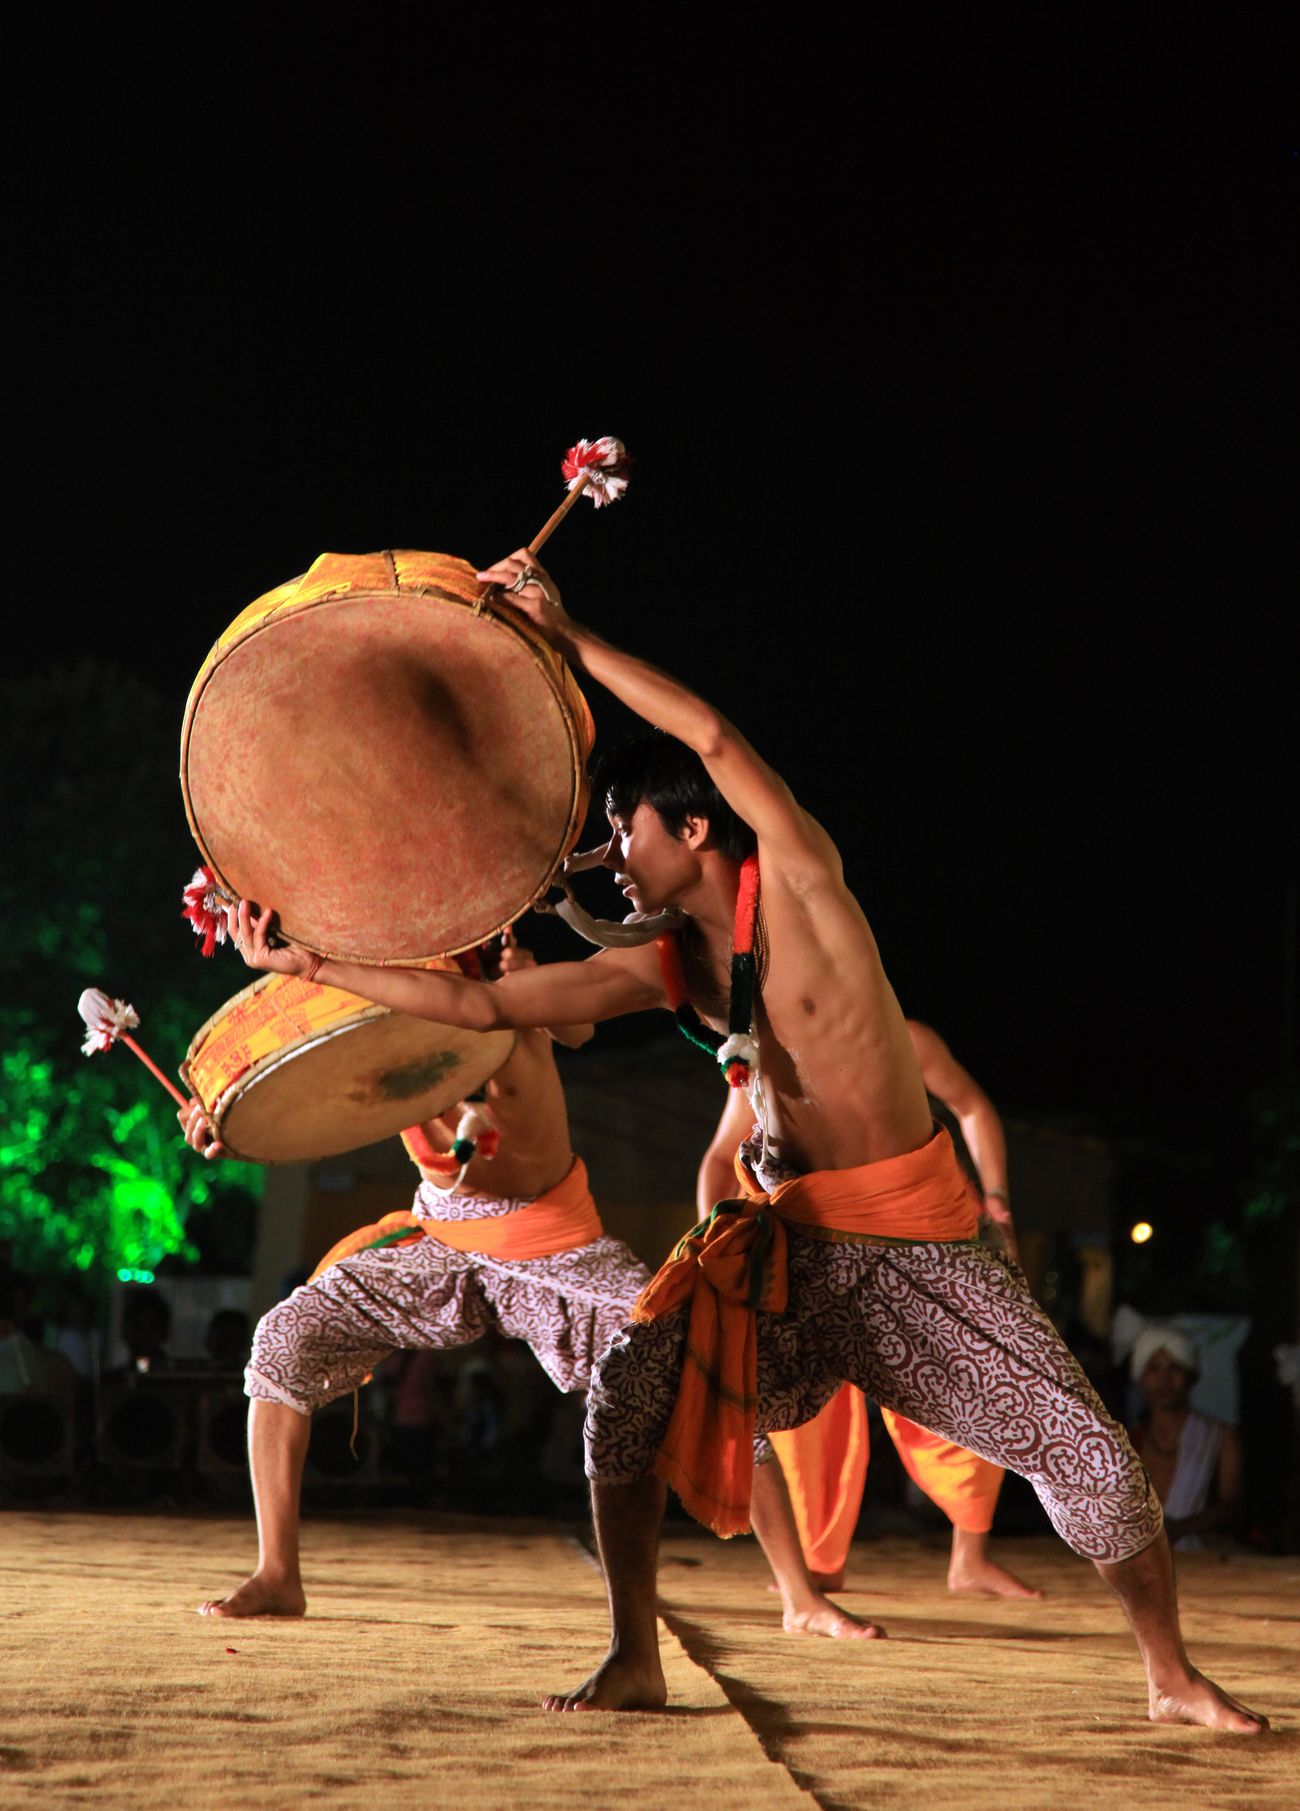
{"type": "Point", "coordinates": [1194, 1462]}
{"type": "Point", "coordinates": [228, 1339]}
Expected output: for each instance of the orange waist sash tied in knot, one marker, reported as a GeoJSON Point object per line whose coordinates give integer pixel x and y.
{"type": "Point", "coordinates": [561, 1219]}
{"type": "Point", "coordinates": [734, 1264]}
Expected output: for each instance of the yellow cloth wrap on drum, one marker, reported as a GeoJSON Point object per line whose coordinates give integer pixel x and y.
{"type": "Point", "coordinates": [559, 1220]}
{"type": "Point", "coordinates": [335, 574]}
{"type": "Point", "coordinates": [265, 1024]}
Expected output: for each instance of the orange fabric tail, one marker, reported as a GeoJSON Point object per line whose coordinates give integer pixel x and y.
{"type": "Point", "coordinates": [559, 1220]}
{"type": "Point", "coordinates": [727, 1267]}
{"type": "Point", "coordinates": [734, 1264]}
{"type": "Point", "coordinates": [825, 1466]}
{"type": "Point", "coordinates": [963, 1485]}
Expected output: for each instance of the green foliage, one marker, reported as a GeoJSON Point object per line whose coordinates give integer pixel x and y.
{"type": "Point", "coordinates": [94, 1175]}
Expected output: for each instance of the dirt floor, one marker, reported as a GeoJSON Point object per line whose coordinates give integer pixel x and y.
{"type": "Point", "coordinates": [415, 1679]}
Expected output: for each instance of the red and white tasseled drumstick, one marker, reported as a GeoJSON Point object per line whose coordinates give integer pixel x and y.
{"type": "Point", "coordinates": [204, 903]}
{"type": "Point", "coordinates": [108, 1022]}
{"type": "Point", "coordinates": [598, 467]}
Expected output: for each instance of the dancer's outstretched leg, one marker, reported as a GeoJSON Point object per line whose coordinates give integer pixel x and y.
{"type": "Point", "coordinates": [805, 1610]}
{"type": "Point", "coordinates": [1176, 1692]}
{"type": "Point", "coordinates": [278, 1438]}
{"type": "Point", "coordinates": [627, 1518]}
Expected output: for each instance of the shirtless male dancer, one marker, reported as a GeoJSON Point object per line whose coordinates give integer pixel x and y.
{"type": "Point", "coordinates": [567, 1305]}
{"type": "Point", "coordinates": [824, 1462]}
{"type": "Point", "coordinates": [327, 1337]}
{"type": "Point", "coordinates": [938, 1330]}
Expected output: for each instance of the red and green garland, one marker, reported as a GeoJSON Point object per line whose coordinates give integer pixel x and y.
{"type": "Point", "coordinates": [737, 1052]}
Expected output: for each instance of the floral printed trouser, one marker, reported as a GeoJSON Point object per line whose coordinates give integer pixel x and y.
{"type": "Point", "coordinates": [325, 1339]}
{"type": "Point", "coordinates": [946, 1334]}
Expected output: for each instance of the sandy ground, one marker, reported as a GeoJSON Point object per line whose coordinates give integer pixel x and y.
{"type": "Point", "coordinates": [415, 1679]}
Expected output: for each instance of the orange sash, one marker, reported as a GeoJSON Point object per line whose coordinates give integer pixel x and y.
{"type": "Point", "coordinates": [561, 1219]}
{"type": "Point", "coordinates": [734, 1264]}
{"type": "Point", "coordinates": [394, 1229]}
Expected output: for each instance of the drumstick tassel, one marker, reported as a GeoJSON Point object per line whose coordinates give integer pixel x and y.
{"type": "Point", "coordinates": [600, 467]}
{"type": "Point", "coordinates": [108, 1022]}
{"type": "Point", "coordinates": [203, 903]}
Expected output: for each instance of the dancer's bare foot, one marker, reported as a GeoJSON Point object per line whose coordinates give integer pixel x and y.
{"type": "Point", "coordinates": [971, 1573]}
{"type": "Point", "coordinates": [1197, 1699]}
{"type": "Point", "coordinates": [258, 1596]}
{"type": "Point", "coordinates": [821, 1617]}
{"type": "Point", "coordinates": [986, 1579]}
{"type": "Point", "coordinates": [616, 1684]}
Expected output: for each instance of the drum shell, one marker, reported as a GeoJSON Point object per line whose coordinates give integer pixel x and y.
{"type": "Point", "coordinates": [393, 762]}
{"type": "Point", "coordinates": [289, 1071]}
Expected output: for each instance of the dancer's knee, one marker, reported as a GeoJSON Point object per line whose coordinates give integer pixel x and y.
{"type": "Point", "coordinates": [630, 1402]}
{"type": "Point", "coordinates": [1106, 1507]}
{"type": "Point", "coordinates": [290, 1363]}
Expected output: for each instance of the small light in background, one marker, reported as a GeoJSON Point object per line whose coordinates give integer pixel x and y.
{"type": "Point", "coordinates": [1141, 1232]}
{"type": "Point", "coordinates": [135, 1276]}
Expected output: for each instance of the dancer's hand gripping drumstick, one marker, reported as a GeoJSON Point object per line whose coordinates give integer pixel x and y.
{"type": "Point", "coordinates": [109, 1021]}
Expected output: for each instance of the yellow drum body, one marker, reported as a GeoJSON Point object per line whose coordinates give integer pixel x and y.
{"type": "Point", "coordinates": [393, 763]}
{"type": "Point", "coordinates": [289, 1071]}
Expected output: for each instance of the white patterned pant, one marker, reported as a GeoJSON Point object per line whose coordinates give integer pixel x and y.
{"type": "Point", "coordinates": [947, 1335]}
{"type": "Point", "coordinates": [326, 1338]}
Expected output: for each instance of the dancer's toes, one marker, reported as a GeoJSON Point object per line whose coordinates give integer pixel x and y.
{"type": "Point", "coordinates": [1199, 1700]}
{"type": "Point", "coordinates": [258, 1596]}
{"type": "Point", "coordinates": [824, 1618]}
{"type": "Point", "coordinates": [984, 1579]}
{"type": "Point", "coordinates": [618, 1684]}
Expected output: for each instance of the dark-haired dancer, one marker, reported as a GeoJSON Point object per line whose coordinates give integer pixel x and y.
{"type": "Point", "coordinates": [856, 1242]}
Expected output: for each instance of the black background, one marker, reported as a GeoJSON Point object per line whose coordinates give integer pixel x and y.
{"type": "Point", "coordinates": [955, 357]}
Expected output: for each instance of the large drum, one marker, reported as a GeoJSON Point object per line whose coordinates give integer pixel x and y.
{"type": "Point", "coordinates": [289, 1070]}
{"type": "Point", "coordinates": [393, 762]}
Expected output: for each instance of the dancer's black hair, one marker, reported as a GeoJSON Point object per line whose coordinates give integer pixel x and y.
{"type": "Point", "coordinates": [656, 769]}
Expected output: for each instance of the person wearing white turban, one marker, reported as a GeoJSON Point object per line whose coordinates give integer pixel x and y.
{"type": "Point", "coordinates": [1194, 1462]}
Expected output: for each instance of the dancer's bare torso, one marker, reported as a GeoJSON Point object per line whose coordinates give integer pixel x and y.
{"type": "Point", "coordinates": [524, 1101]}
{"type": "Point", "coordinates": [838, 1065]}
{"type": "Point", "coordinates": [841, 1081]}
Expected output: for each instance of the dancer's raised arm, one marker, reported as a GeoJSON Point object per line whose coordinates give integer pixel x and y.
{"type": "Point", "coordinates": [754, 790]}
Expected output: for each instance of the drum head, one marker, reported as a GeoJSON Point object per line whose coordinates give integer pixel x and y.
{"type": "Point", "coordinates": [396, 773]}
{"type": "Point", "coordinates": [355, 1085]}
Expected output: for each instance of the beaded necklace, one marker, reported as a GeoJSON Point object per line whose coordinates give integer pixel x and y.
{"type": "Point", "coordinates": [475, 1137]}
{"type": "Point", "coordinates": [737, 1052]}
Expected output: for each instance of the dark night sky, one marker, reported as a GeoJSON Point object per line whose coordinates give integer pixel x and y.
{"type": "Point", "coordinates": [957, 371]}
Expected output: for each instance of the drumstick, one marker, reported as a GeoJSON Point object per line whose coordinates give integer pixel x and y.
{"type": "Point", "coordinates": [107, 1021]}
{"type": "Point", "coordinates": [600, 466]}
{"type": "Point", "coordinates": [557, 516]}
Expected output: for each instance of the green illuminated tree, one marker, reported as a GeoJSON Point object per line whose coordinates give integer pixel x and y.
{"type": "Point", "coordinates": [93, 1173]}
